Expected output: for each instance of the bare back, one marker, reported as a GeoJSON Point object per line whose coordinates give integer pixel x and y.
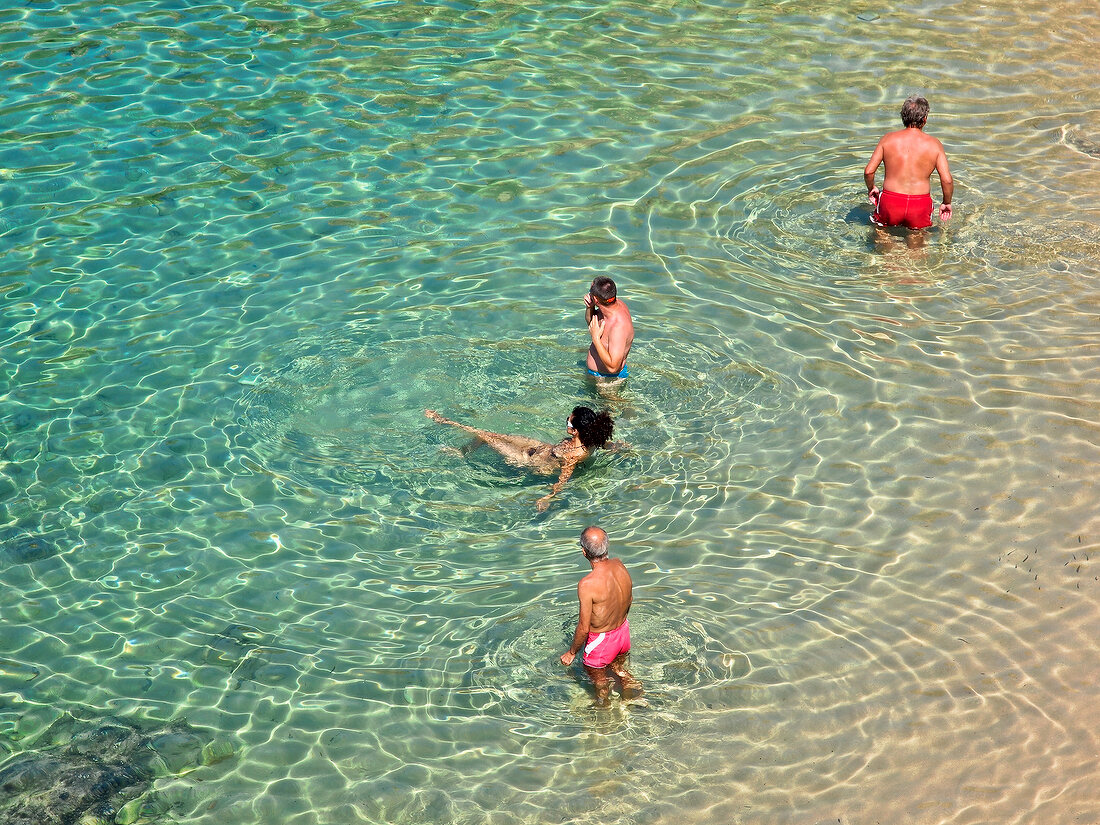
{"type": "Point", "coordinates": [911, 157]}
{"type": "Point", "coordinates": [608, 589]}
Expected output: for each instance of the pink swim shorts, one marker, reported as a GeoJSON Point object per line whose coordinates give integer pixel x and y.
{"type": "Point", "coordinates": [602, 648]}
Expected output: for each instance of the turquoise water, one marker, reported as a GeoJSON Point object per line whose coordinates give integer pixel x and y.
{"type": "Point", "coordinates": [244, 245]}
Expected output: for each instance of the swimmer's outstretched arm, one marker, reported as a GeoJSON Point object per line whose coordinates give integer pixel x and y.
{"type": "Point", "coordinates": [615, 446]}
{"type": "Point", "coordinates": [566, 471]}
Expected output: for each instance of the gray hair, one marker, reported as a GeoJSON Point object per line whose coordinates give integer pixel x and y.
{"type": "Point", "coordinates": [594, 541]}
{"type": "Point", "coordinates": [914, 111]}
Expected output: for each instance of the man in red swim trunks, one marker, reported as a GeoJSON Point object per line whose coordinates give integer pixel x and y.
{"type": "Point", "coordinates": [910, 157]}
{"type": "Point", "coordinates": [605, 595]}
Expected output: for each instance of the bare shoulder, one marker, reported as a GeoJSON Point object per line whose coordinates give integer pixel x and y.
{"type": "Point", "coordinates": [926, 138]}
{"type": "Point", "coordinates": [623, 577]}
{"type": "Point", "coordinates": [618, 571]}
{"type": "Point", "coordinates": [566, 452]}
{"type": "Point", "coordinates": [622, 323]}
{"type": "Point", "coordinates": [585, 585]}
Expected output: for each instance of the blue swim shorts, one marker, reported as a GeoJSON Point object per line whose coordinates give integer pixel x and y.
{"type": "Point", "coordinates": [620, 374]}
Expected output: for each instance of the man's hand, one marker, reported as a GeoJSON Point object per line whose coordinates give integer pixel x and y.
{"type": "Point", "coordinates": [567, 658]}
{"type": "Point", "coordinates": [872, 196]}
{"type": "Point", "coordinates": [542, 503]}
{"type": "Point", "coordinates": [945, 211]}
{"type": "Point", "coordinates": [595, 326]}
{"type": "Point", "coordinates": [589, 301]}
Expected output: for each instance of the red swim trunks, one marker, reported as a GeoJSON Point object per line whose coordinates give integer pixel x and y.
{"type": "Point", "coordinates": [913, 211]}
{"type": "Point", "coordinates": [602, 648]}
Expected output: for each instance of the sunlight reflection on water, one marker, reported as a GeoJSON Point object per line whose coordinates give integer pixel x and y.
{"type": "Point", "coordinates": [241, 260]}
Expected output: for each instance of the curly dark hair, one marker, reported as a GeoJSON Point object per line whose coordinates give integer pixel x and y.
{"type": "Point", "coordinates": [593, 428]}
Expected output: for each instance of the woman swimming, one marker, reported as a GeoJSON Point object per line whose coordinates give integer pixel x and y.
{"type": "Point", "coordinates": [587, 430]}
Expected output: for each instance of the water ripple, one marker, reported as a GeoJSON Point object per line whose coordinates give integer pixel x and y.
{"type": "Point", "coordinates": [246, 246]}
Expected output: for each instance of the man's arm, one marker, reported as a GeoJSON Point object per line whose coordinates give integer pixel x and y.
{"type": "Point", "coordinates": [614, 354]}
{"type": "Point", "coordinates": [589, 308]}
{"type": "Point", "coordinates": [947, 184]}
{"type": "Point", "coordinates": [583, 623]}
{"type": "Point", "coordinates": [870, 169]}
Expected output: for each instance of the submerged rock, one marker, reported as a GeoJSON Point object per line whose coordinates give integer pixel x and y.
{"type": "Point", "coordinates": [81, 770]}
{"type": "Point", "coordinates": [27, 549]}
{"type": "Point", "coordinates": [218, 751]}
{"type": "Point", "coordinates": [1075, 139]}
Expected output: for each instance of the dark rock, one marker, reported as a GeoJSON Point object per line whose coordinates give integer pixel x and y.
{"type": "Point", "coordinates": [84, 767]}
{"type": "Point", "coordinates": [27, 417]}
{"type": "Point", "coordinates": [27, 774]}
{"type": "Point", "coordinates": [27, 549]}
{"type": "Point", "coordinates": [178, 748]}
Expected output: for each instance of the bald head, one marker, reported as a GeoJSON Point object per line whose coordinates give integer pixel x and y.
{"type": "Point", "coordinates": [594, 542]}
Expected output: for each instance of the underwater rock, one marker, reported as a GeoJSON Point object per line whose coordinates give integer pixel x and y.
{"type": "Point", "coordinates": [1074, 139]}
{"type": "Point", "coordinates": [26, 549]}
{"type": "Point", "coordinates": [180, 749]}
{"type": "Point", "coordinates": [28, 418]}
{"type": "Point", "coordinates": [81, 769]}
{"type": "Point", "coordinates": [217, 751]}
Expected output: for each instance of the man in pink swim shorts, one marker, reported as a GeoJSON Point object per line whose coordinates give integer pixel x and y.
{"type": "Point", "coordinates": [605, 596]}
{"type": "Point", "coordinates": [601, 649]}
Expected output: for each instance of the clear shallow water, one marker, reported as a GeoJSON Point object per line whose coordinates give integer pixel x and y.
{"type": "Point", "coordinates": [245, 245]}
